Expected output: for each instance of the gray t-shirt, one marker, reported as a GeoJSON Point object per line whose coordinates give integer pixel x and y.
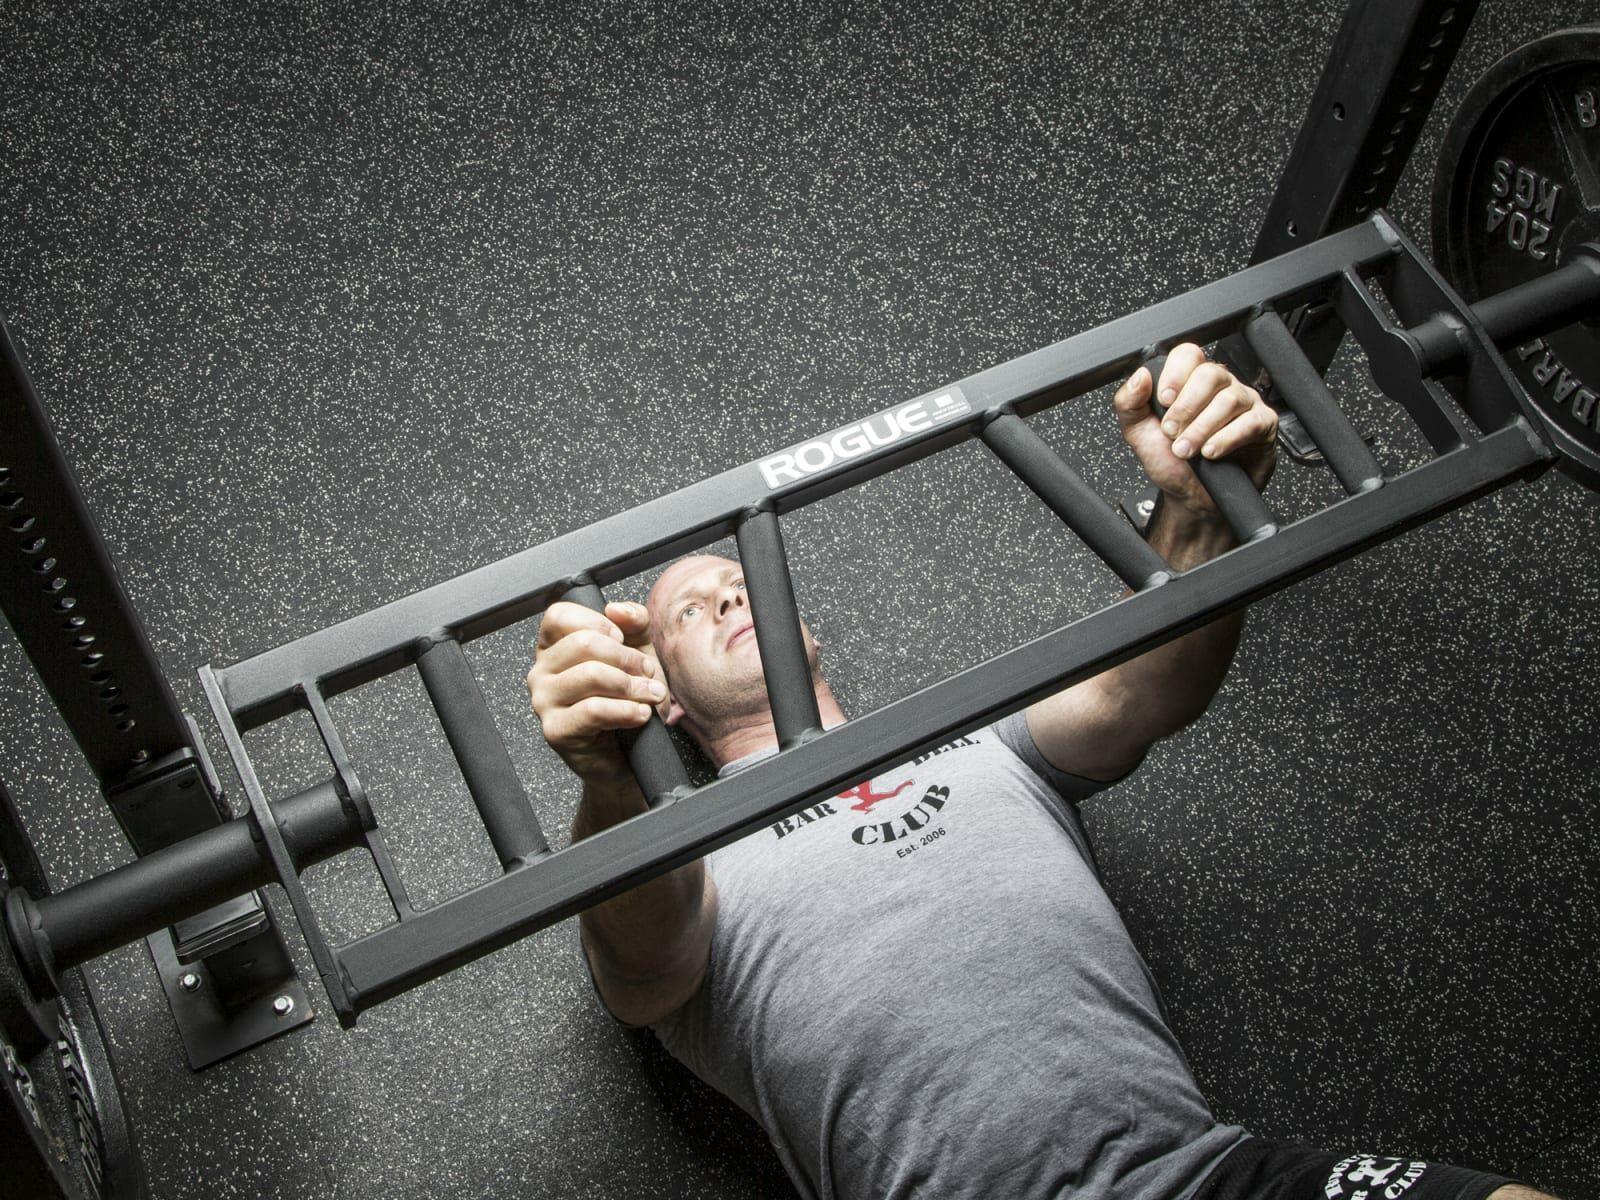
{"type": "Point", "coordinates": [920, 989]}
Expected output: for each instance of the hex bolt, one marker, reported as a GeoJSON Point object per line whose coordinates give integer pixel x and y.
{"type": "Point", "coordinates": [283, 1005]}
{"type": "Point", "coordinates": [189, 981]}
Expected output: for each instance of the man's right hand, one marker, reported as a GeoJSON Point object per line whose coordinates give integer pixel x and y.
{"type": "Point", "coordinates": [593, 674]}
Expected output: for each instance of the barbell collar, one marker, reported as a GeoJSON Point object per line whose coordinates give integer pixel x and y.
{"type": "Point", "coordinates": [1569, 293]}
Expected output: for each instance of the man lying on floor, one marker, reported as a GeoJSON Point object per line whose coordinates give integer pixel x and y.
{"type": "Point", "coordinates": [920, 987]}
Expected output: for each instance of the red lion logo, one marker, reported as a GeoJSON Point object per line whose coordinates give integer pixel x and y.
{"type": "Point", "coordinates": [865, 797]}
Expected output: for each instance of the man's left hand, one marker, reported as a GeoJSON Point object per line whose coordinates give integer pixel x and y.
{"type": "Point", "coordinates": [1209, 414]}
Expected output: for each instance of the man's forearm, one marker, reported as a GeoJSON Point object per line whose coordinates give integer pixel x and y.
{"type": "Point", "coordinates": [639, 934]}
{"type": "Point", "coordinates": [1170, 686]}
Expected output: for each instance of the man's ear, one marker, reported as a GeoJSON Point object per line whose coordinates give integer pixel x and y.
{"type": "Point", "coordinates": [669, 710]}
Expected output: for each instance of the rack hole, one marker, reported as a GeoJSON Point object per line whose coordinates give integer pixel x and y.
{"type": "Point", "coordinates": [101, 677]}
{"type": "Point", "coordinates": [21, 524]}
{"type": "Point", "coordinates": [1338, 112]}
{"type": "Point", "coordinates": [66, 604]}
{"type": "Point", "coordinates": [34, 546]}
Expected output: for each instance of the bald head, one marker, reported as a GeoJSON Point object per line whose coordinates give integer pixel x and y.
{"type": "Point", "coordinates": [703, 631]}
{"type": "Point", "coordinates": [677, 580]}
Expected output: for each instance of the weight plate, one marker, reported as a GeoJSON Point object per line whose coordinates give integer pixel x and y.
{"type": "Point", "coordinates": [105, 1141]}
{"type": "Point", "coordinates": [63, 1129]}
{"type": "Point", "coordinates": [1517, 190]}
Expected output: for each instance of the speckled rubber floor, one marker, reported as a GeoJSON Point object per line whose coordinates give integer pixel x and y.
{"type": "Point", "coordinates": [330, 302]}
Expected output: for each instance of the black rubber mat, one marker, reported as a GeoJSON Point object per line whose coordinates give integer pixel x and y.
{"type": "Point", "coordinates": [330, 304]}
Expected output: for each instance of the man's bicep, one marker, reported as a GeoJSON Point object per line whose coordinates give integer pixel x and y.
{"type": "Point", "coordinates": [644, 998]}
{"type": "Point", "coordinates": [1081, 730]}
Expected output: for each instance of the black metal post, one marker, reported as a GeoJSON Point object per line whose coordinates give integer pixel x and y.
{"type": "Point", "coordinates": [1388, 61]}
{"type": "Point", "coordinates": [71, 615]}
{"type": "Point", "coordinates": [61, 594]}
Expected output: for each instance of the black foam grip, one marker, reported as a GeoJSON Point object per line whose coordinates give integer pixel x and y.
{"type": "Point", "coordinates": [655, 761]}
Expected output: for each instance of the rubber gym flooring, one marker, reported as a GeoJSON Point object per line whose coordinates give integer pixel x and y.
{"type": "Point", "coordinates": [330, 302]}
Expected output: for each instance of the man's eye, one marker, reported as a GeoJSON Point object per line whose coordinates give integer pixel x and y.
{"type": "Point", "coordinates": [739, 583]}
{"type": "Point", "coordinates": [689, 611]}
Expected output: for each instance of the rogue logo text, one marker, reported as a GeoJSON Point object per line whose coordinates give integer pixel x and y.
{"type": "Point", "coordinates": [851, 441]}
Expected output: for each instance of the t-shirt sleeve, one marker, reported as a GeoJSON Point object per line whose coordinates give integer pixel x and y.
{"type": "Point", "coordinates": [1015, 735]}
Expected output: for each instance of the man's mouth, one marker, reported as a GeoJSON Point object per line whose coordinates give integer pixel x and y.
{"type": "Point", "coordinates": [737, 634]}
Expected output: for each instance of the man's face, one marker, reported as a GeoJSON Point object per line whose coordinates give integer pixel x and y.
{"type": "Point", "coordinates": [704, 635]}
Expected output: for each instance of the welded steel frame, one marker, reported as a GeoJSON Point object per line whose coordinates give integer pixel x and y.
{"type": "Point", "coordinates": [1500, 444]}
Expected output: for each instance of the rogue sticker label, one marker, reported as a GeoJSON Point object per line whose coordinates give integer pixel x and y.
{"type": "Point", "coordinates": [852, 441]}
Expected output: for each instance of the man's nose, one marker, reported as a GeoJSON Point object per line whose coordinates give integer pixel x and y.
{"type": "Point", "coordinates": [728, 598]}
